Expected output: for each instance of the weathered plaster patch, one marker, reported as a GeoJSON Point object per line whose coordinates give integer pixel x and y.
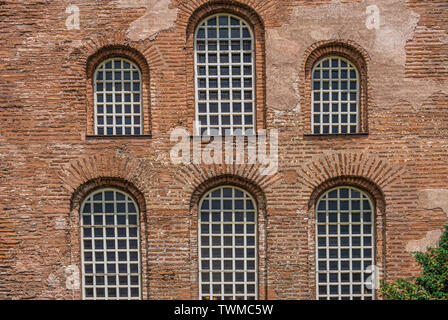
{"type": "Point", "coordinates": [431, 239]}
{"type": "Point", "coordinates": [434, 199]}
{"type": "Point", "coordinates": [285, 46]}
{"type": "Point", "coordinates": [158, 17]}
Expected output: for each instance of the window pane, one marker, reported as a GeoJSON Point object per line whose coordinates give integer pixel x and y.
{"type": "Point", "coordinates": [232, 251]}
{"type": "Point", "coordinates": [224, 61]}
{"type": "Point", "coordinates": [334, 82]}
{"type": "Point", "coordinates": [113, 86]}
{"type": "Point", "coordinates": [344, 244]}
{"type": "Point", "coordinates": [114, 222]}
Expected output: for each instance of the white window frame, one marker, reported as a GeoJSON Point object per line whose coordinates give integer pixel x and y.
{"type": "Point", "coordinates": [90, 200]}
{"type": "Point", "coordinates": [133, 68]}
{"type": "Point", "coordinates": [364, 273]}
{"type": "Point", "coordinates": [330, 102]}
{"type": "Point", "coordinates": [234, 129]}
{"type": "Point", "coordinates": [222, 234]}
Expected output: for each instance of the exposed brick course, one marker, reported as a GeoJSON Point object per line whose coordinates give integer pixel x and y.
{"type": "Point", "coordinates": [49, 161]}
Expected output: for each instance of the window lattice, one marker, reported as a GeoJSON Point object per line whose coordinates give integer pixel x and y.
{"type": "Point", "coordinates": [118, 98]}
{"type": "Point", "coordinates": [345, 245]}
{"type": "Point", "coordinates": [110, 246]}
{"type": "Point", "coordinates": [227, 245]}
{"type": "Point", "coordinates": [224, 69]}
{"type": "Point", "coordinates": [335, 97]}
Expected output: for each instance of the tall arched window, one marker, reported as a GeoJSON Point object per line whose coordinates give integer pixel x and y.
{"type": "Point", "coordinates": [335, 97]}
{"type": "Point", "coordinates": [110, 245]}
{"type": "Point", "coordinates": [224, 73]}
{"type": "Point", "coordinates": [228, 245]}
{"type": "Point", "coordinates": [118, 98]}
{"type": "Point", "coordinates": [345, 245]}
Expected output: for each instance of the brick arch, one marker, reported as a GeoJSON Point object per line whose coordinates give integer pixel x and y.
{"type": "Point", "coordinates": [240, 9]}
{"type": "Point", "coordinates": [195, 179]}
{"type": "Point", "coordinates": [110, 168]}
{"type": "Point", "coordinates": [117, 50]}
{"type": "Point", "coordinates": [126, 51]}
{"type": "Point", "coordinates": [84, 190]}
{"type": "Point", "coordinates": [349, 50]}
{"type": "Point", "coordinates": [369, 187]}
{"type": "Point", "coordinates": [346, 48]}
{"type": "Point", "coordinates": [379, 175]}
{"type": "Point", "coordinates": [251, 187]}
{"type": "Point", "coordinates": [141, 52]}
{"type": "Point", "coordinates": [83, 60]}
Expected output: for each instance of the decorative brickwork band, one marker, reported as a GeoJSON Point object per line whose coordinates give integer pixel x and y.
{"type": "Point", "coordinates": [319, 172]}
{"type": "Point", "coordinates": [84, 175]}
{"type": "Point", "coordinates": [198, 179]}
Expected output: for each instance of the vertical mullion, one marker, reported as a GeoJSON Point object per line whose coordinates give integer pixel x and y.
{"type": "Point", "coordinates": [127, 238]}
{"type": "Point", "coordinates": [241, 66]}
{"type": "Point", "coordinates": [123, 97]}
{"type": "Point", "coordinates": [117, 269]}
{"type": "Point", "coordinates": [358, 99]}
{"type": "Point", "coordinates": [95, 99]}
{"type": "Point", "coordinates": [327, 242]}
{"type": "Point", "coordinates": [361, 247]}
{"type": "Point", "coordinates": [321, 102]}
{"type": "Point", "coordinates": [350, 224]}
{"type": "Point", "coordinates": [131, 78]}
{"type": "Point", "coordinates": [338, 237]}
{"type": "Point", "coordinates": [113, 97]}
{"type": "Point", "coordinates": [103, 218]}
{"type": "Point", "coordinates": [206, 77]}
{"type": "Point", "coordinates": [230, 64]}
{"type": "Point", "coordinates": [330, 95]}
{"type": "Point", "coordinates": [218, 74]}
{"type": "Point", "coordinates": [253, 88]}
{"type": "Point", "coordinates": [340, 102]}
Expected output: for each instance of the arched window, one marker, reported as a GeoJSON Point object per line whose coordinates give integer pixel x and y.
{"type": "Point", "coordinates": [118, 98]}
{"type": "Point", "coordinates": [335, 97]}
{"type": "Point", "coordinates": [228, 245]}
{"type": "Point", "coordinates": [345, 245]}
{"type": "Point", "coordinates": [224, 73]}
{"type": "Point", "coordinates": [110, 245]}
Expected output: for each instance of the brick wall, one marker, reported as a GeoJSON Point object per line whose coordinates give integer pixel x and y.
{"type": "Point", "coordinates": [48, 160]}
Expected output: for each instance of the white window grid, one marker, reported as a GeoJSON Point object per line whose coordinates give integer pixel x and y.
{"type": "Point", "coordinates": [224, 76]}
{"type": "Point", "coordinates": [110, 246]}
{"type": "Point", "coordinates": [228, 255]}
{"type": "Point", "coordinates": [344, 245]}
{"type": "Point", "coordinates": [334, 97]}
{"type": "Point", "coordinates": [118, 98]}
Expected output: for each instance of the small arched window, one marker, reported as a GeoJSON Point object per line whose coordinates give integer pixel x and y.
{"type": "Point", "coordinates": [224, 73]}
{"type": "Point", "coordinates": [118, 98]}
{"type": "Point", "coordinates": [335, 97]}
{"type": "Point", "coordinates": [110, 244]}
{"type": "Point", "coordinates": [344, 245]}
{"type": "Point", "coordinates": [228, 245]}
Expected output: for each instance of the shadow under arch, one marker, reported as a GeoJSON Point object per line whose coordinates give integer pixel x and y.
{"type": "Point", "coordinates": [242, 10]}
{"type": "Point", "coordinates": [366, 185]}
{"type": "Point", "coordinates": [84, 190]}
{"type": "Point", "coordinates": [232, 180]}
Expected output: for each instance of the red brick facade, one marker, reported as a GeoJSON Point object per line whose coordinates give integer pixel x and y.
{"type": "Point", "coordinates": [50, 160]}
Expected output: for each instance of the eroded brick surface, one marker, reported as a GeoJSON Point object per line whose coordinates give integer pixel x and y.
{"type": "Point", "coordinates": [46, 159]}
